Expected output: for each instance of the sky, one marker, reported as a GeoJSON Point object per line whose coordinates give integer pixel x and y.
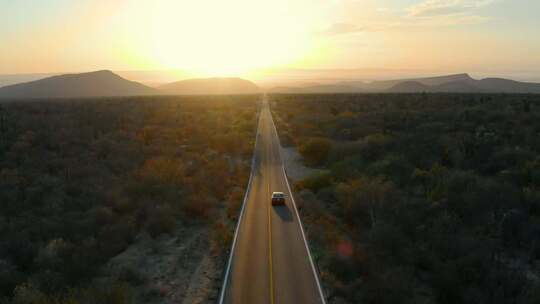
{"type": "Point", "coordinates": [239, 37]}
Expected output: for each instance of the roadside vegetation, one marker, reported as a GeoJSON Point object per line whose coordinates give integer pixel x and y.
{"type": "Point", "coordinates": [82, 180]}
{"type": "Point", "coordinates": [425, 198]}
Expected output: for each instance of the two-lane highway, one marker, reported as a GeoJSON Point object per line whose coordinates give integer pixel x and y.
{"type": "Point", "coordinates": [270, 260]}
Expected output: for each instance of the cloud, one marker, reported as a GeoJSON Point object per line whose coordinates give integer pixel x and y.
{"type": "Point", "coordinates": [455, 19]}
{"type": "Point", "coordinates": [449, 12]}
{"type": "Point", "coordinates": [341, 28]}
{"type": "Point", "coordinates": [427, 13]}
{"type": "Point", "coordinates": [432, 8]}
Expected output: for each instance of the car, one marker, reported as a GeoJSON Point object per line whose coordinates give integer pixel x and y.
{"type": "Point", "coordinates": [278, 198]}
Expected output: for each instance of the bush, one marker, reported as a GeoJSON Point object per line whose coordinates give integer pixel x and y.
{"type": "Point", "coordinates": [315, 182]}
{"type": "Point", "coordinates": [393, 286]}
{"type": "Point", "coordinates": [160, 221]}
{"type": "Point", "coordinates": [222, 237]}
{"type": "Point", "coordinates": [366, 200]}
{"type": "Point", "coordinates": [442, 191]}
{"type": "Point", "coordinates": [79, 179]}
{"type": "Point", "coordinates": [112, 293]}
{"type": "Point", "coordinates": [9, 278]}
{"type": "Point", "coordinates": [235, 200]}
{"type": "Point", "coordinates": [116, 237]}
{"type": "Point", "coordinates": [197, 208]}
{"type": "Point", "coordinates": [315, 151]}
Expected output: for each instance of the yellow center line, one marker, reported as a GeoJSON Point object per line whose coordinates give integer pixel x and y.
{"type": "Point", "coordinates": [270, 238]}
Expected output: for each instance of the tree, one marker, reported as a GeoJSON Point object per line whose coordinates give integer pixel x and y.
{"type": "Point", "coordinates": [366, 196]}
{"type": "Point", "coordinates": [315, 151]}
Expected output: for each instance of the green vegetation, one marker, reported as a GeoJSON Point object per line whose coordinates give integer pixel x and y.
{"type": "Point", "coordinates": [80, 179]}
{"type": "Point", "coordinates": [315, 151]}
{"type": "Point", "coordinates": [429, 198]}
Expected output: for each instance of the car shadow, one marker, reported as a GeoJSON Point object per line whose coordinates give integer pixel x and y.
{"type": "Point", "coordinates": [283, 212]}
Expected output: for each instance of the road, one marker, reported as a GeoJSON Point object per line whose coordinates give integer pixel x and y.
{"type": "Point", "coordinates": [270, 261]}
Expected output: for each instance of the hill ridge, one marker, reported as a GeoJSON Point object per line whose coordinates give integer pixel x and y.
{"type": "Point", "coordinates": [100, 83]}
{"type": "Point", "coordinates": [212, 85]}
{"type": "Point", "coordinates": [454, 83]}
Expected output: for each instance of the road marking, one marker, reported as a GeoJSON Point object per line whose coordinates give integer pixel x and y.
{"type": "Point", "coordinates": [241, 216]}
{"type": "Point", "coordinates": [321, 294]}
{"type": "Point", "coordinates": [248, 190]}
{"type": "Point", "coordinates": [270, 239]}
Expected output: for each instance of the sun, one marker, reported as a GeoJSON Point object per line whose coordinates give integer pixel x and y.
{"type": "Point", "coordinates": [220, 38]}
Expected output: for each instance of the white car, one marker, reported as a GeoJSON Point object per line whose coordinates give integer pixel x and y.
{"type": "Point", "coordinates": [278, 198]}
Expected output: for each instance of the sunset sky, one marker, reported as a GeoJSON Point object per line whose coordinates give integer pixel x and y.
{"type": "Point", "coordinates": [234, 37]}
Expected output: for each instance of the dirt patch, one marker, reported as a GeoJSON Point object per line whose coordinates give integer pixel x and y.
{"type": "Point", "coordinates": [176, 268]}
{"type": "Point", "coordinates": [294, 166]}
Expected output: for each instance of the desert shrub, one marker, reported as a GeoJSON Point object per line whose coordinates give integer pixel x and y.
{"type": "Point", "coordinates": [390, 287]}
{"type": "Point", "coordinates": [131, 275]}
{"type": "Point", "coordinates": [235, 200]}
{"type": "Point", "coordinates": [394, 167]}
{"type": "Point", "coordinates": [440, 190]}
{"type": "Point", "coordinates": [222, 236]}
{"type": "Point", "coordinates": [161, 220]}
{"type": "Point", "coordinates": [342, 267]}
{"type": "Point", "coordinates": [375, 145]}
{"type": "Point", "coordinates": [20, 250]}
{"type": "Point", "coordinates": [10, 277]}
{"type": "Point", "coordinates": [198, 208]}
{"type": "Point", "coordinates": [286, 140]}
{"type": "Point", "coordinates": [365, 199]}
{"type": "Point", "coordinates": [389, 239]}
{"type": "Point", "coordinates": [116, 237]}
{"type": "Point", "coordinates": [115, 293]}
{"type": "Point", "coordinates": [79, 179]}
{"type": "Point", "coordinates": [345, 150]}
{"type": "Point", "coordinates": [315, 182]}
{"type": "Point", "coordinates": [532, 295]}
{"type": "Point", "coordinates": [315, 151]}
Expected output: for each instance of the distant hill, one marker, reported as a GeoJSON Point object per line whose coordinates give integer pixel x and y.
{"type": "Point", "coordinates": [449, 87]}
{"type": "Point", "coordinates": [379, 86]}
{"type": "Point", "coordinates": [436, 81]}
{"type": "Point", "coordinates": [488, 85]}
{"type": "Point", "coordinates": [460, 86]}
{"type": "Point", "coordinates": [458, 83]}
{"type": "Point", "coordinates": [210, 86]}
{"type": "Point", "coordinates": [501, 85]}
{"type": "Point", "coordinates": [93, 84]}
{"type": "Point", "coordinates": [408, 87]}
{"type": "Point", "coordinates": [317, 89]}
{"type": "Point", "coordinates": [9, 79]}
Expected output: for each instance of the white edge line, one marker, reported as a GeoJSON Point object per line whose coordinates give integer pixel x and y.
{"type": "Point", "coordinates": [297, 215]}
{"type": "Point", "coordinates": [240, 217]}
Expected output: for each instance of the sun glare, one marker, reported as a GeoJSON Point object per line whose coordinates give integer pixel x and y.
{"type": "Point", "coordinates": [219, 38]}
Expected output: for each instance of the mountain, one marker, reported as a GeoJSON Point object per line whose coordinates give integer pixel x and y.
{"type": "Point", "coordinates": [500, 85]}
{"type": "Point", "coordinates": [457, 87]}
{"type": "Point", "coordinates": [93, 84]}
{"type": "Point", "coordinates": [440, 80]}
{"type": "Point", "coordinates": [9, 79]}
{"type": "Point", "coordinates": [318, 89]}
{"type": "Point", "coordinates": [408, 87]}
{"type": "Point", "coordinates": [449, 87]}
{"type": "Point", "coordinates": [379, 86]}
{"type": "Point", "coordinates": [210, 86]}
{"type": "Point", "coordinates": [396, 85]}
{"type": "Point", "coordinates": [458, 83]}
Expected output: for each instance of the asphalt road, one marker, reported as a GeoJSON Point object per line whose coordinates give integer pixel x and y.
{"type": "Point", "coordinates": [270, 261]}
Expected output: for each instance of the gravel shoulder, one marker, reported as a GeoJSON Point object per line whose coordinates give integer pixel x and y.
{"type": "Point", "coordinates": [294, 166]}
{"type": "Point", "coordinates": [175, 268]}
